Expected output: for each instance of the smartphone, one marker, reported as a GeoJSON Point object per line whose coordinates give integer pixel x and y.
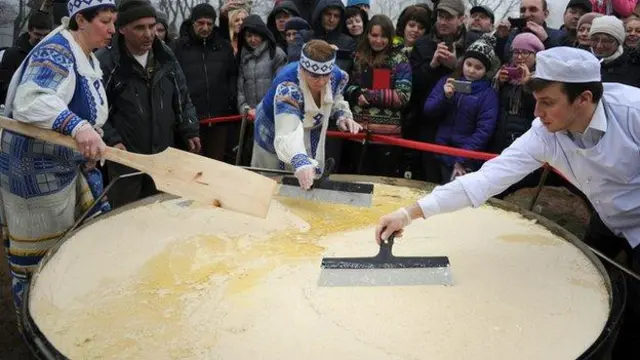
{"type": "Point", "coordinates": [461, 86]}
{"type": "Point", "coordinates": [514, 72]}
{"type": "Point", "coordinates": [518, 23]}
{"type": "Point", "coordinates": [381, 79]}
{"type": "Point", "coordinates": [449, 46]}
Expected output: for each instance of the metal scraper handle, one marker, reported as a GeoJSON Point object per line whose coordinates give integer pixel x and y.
{"type": "Point", "coordinates": [385, 248]}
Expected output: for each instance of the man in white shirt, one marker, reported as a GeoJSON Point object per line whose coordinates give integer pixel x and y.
{"type": "Point", "coordinates": [590, 133]}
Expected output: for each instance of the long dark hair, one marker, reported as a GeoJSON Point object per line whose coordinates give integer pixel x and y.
{"type": "Point", "coordinates": [365, 54]}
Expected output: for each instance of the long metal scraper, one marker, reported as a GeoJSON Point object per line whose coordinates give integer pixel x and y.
{"type": "Point", "coordinates": [329, 191]}
{"type": "Point", "coordinates": [385, 269]}
{"type": "Point", "coordinates": [336, 192]}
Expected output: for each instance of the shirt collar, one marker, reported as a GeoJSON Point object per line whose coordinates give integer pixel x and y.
{"type": "Point", "coordinates": [599, 119]}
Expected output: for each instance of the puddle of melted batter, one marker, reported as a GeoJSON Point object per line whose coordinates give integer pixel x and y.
{"type": "Point", "coordinates": [191, 265]}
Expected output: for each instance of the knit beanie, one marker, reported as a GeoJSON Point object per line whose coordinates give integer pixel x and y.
{"type": "Point", "coordinates": [358, 2]}
{"type": "Point", "coordinates": [527, 41]}
{"type": "Point", "coordinates": [588, 18]}
{"type": "Point", "coordinates": [132, 10]}
{"type": "Point", "coordinates": [296, 23]}
{"type": "Point", "coordinates": [203, 10]}
{"type": "Point", "coordinates": [609, 25]}
{"type": "Point", "coordinates": [482, 49]}
{"type": "Point", "coordinates": [163, 18]}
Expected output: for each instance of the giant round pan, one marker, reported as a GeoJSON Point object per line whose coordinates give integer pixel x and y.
{"type": "Point", "coordinates": [167, 279]}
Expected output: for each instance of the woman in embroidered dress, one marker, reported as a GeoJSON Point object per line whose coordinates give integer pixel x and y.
{"type": "Point", "coordinates": [44, 187]}
{"type": "Point", "coordinates": [292, 119]}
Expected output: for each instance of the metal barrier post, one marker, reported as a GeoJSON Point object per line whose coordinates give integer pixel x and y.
{"type": "Point", "coordinates": [543, 179]}
{"type": "Point", "coordinates": [243, 130]}
{"type": "Point", "coordinates": [365, 144]}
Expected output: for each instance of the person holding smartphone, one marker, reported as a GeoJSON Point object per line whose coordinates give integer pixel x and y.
{"type": "Point", "coordinates": [533, 19]}
{"type": "Point", "coordinates": [516, 104]}
{"type": "Point", "coordinates": [468, 106]}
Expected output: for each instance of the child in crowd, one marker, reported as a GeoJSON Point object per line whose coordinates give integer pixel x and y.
{"type": "Point", "coordinates": [469, 106]}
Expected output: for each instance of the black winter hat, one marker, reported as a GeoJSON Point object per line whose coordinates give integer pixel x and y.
{"type": "Point", "coordinates": [132, 10]}
{"type": "Point", "coordinates": [203, 11]}
{"type": "Point", "coordinates": [296, 23]}
{"type": "Point", "coordinates": [482, 49]}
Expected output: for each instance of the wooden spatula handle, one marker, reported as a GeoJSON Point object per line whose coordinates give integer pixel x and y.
{"type": "Point", "coordinates": [38, 133]}
{"type": "Point", "coordinates": [113, 154]}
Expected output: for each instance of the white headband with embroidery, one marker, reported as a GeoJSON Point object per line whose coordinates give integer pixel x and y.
{"type": "Point", "coordinates": [316, 67]}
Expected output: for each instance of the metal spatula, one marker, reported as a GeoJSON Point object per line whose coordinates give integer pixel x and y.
{"type": "Point", "coordinates": [385, 269]}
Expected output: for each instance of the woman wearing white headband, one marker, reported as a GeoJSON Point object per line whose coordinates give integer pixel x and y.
{"type": "Point", "coordinates": [45, 187]}
{"type": "Point", "coordinates": [293, 117]}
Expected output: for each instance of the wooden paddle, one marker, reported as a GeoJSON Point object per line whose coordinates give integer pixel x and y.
{"type": "Point", "coordinates": [181, 173]}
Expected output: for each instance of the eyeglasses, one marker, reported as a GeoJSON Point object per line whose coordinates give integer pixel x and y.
{"type": "Point", "coordinates": [605, 41]}
{"type": "Point", "coordinates": [523, 53]}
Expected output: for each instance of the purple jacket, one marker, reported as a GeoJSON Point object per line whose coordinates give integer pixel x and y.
{"type": "Point", "coordinates": [469, 120]}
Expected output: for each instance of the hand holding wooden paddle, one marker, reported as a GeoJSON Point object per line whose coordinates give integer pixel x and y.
{"type": "Point", "coordinates": [176, 172]}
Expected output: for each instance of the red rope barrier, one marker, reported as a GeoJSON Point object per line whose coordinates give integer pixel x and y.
{"type": "Point", "coordinates": [388, 140]}
{"type": "Point", "coordinates": [221, 119]}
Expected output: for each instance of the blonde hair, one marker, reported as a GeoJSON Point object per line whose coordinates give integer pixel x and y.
{"type": "Point", "coordinates": [319, 50]}
{"type": "Point", "coordinates": [232, 16]}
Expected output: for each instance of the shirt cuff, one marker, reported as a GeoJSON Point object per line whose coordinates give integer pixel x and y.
{"type": "Point", "coordinates": [300, 161]}
{"type": "Point", "coordinates": [429, 206]}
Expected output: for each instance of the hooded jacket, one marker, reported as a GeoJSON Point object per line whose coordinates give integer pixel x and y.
{"type": "Point", "coordinates": [210, 69]}
{"type": "Point", "coordinates": [145, 107]}
{"type": "Point", "coordinates": [335, 36]}
{"type": "Point", "coordinates": [346, 45]}
{"type": "Point", "coordinates": [11, 60]}
{"type": "Point", "coordinates": [306, 8]}
{"type": "Point", "coordinates": [291, 8]}
{"type": "Point", "coordinates": [257, 67]}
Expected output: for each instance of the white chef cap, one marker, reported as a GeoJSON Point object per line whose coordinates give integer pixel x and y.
{"type": "Point", "coordinates": [567, 65]}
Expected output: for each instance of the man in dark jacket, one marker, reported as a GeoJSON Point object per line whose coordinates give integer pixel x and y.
{"type": "Point", "coordinates": [38, 27]}
{"type": "Point", "coordinates": [281, 13]}
{"type": "Point", "coordinates": [535, 13]}
{"type": "Point", "coordinates": [147, 95]}
{"type": "Point", "coordinates": [211, 71]}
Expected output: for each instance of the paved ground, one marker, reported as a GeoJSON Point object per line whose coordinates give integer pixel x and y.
{"type": "Point", "coordinates": [556, 204]}
{"type": "Point", "coordinates": [11, 345]}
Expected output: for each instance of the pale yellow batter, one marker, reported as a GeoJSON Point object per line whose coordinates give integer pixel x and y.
{"type": "Point", "coordinates": [167, 281]}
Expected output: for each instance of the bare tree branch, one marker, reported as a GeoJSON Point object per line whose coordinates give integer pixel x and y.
{"type": "Point", "coordinates": [7, 13]}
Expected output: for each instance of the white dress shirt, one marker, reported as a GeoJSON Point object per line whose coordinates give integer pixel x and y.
{"type": "Point", "coordinates": [603, 162]}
